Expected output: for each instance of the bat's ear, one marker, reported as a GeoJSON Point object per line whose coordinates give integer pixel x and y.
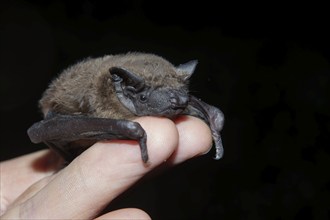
{"type": "Point", "coordinates": [187, 69]}
{"type": "Point", "coordinates": [126, 77]}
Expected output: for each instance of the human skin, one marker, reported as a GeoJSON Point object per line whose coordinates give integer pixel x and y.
{"type": "Point", "coordinates": [33, 186]}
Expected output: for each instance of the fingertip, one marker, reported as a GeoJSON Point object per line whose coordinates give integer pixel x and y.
{"type": "Point", "coordinates": [195, 138]}
{"type": "Point", "coordinates": [124, 214]}
{"type": "Point", "coordinates": [162, 138]}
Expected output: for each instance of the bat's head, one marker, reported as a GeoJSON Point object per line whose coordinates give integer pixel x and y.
{"type": "Point", "coordinates": [153, 87]}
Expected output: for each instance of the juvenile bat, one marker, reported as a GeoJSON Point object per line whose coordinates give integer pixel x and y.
{"type": "Point", "coordinates": [97, 98]}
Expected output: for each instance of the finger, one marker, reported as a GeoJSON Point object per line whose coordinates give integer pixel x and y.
{"type": "Point", "coordinates": [124, 214]}
{"type": "Point", "coordinates": [194, 139]}
{"type": "Point", "coordinates": [98, 175]}
{"type": "Point", "coordinates": [20, 173]}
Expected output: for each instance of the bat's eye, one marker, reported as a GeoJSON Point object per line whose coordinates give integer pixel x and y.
{"type": "Point", "coordinates": [143, 98]}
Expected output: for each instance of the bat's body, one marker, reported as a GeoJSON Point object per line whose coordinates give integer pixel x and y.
{"type": "Point", "coordinates": [96, 99]}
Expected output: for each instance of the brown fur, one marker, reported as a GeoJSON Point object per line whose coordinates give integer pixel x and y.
{"type": "Point", "coordinates": [86, 87]}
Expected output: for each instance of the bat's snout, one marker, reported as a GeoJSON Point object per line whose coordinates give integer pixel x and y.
{"type": "Point", "coordinates": [179, 101]}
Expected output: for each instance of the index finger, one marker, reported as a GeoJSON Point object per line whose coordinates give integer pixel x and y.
{"type": "Point", "coordinates": [98, 175]}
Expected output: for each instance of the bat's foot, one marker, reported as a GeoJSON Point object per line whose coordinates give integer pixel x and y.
{"type": "Point", "coordinates": [218, 147]}
{"type": "Point", "coordinates": [216, 125]}
{"type": "Point", "coordinates": [212, 116]}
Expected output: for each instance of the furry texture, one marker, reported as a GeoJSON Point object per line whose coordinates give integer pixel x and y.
{"type": "Point", "coordinates": [86, 87]}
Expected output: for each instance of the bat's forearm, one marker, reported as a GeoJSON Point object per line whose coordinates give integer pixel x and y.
{"type": "Point", "coordinates": [60, 130]}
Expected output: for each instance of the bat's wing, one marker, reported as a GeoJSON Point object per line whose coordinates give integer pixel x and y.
{"type": "Point", "coordinates": [60, 132]}
{"type": "Point", "coordinates": [211, 115]}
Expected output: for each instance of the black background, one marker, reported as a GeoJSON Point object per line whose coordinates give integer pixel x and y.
{"type": "Point", "coordinates": [265, 65]}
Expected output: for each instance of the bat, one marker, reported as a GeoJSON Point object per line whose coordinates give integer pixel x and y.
{"type": "Point", "coordinates": [97, 98]}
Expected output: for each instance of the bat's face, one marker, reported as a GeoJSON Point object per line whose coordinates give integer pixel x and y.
{"type": "Point", "coordinates": [168, 98]}
{"type": "Point", "coordinates": [158, 101]}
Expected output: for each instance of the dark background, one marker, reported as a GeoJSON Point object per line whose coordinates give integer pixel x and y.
{"type": "Point", "coordinates": [267, 69]}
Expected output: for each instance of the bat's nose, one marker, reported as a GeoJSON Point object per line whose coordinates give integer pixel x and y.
{"type": "Point", "coordinates": [179, 101]}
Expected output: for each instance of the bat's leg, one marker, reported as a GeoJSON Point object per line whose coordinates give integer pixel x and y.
{"type": "Point", "coordinates": [212, 116]}
{"type": "Point", "coordinates": [59, 131]}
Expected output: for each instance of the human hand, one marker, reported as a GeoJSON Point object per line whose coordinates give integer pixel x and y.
{"type": "Point", "coordinates": [33, 188]}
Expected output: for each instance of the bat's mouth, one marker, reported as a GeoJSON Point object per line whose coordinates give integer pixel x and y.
{"type": "Point", "coordinates": [172, 112]}
{"type": "Point", "coordinates": [178, 107]}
